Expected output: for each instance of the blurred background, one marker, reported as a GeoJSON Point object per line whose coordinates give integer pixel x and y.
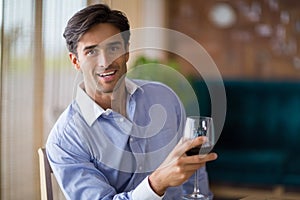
{"type": "Point", "coordinates": [253, 40]}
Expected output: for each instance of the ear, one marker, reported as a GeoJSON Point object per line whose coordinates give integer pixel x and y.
{"type": "Point", "coordinates": [127, 52]}
{"type": "Point", "coordinates": [74, 61]}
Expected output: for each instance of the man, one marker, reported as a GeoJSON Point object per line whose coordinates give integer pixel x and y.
{"type": "Point", "coordinates": [119, 138]}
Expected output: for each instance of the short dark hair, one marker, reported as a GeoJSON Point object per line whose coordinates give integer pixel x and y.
{"type": "Point", "coordinates": [92, 15]}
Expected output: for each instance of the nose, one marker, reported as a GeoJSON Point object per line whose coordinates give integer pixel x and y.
{"type": "Point", "coordinates": [103, 59]}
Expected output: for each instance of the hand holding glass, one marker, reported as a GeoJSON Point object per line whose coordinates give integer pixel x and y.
{"type": "Point", "coordinates": [199, 126]}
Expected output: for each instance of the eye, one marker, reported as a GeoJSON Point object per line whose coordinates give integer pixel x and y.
{"type": "Point", "coordinates": [92, 52]}
{"type": "Point", "coordinates": [116, 48]}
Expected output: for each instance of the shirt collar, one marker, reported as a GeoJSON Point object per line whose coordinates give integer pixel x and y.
{"type": "Point", "coordinates": [131, 86]}
{"type": "Point", "coordinates": [91, 110]}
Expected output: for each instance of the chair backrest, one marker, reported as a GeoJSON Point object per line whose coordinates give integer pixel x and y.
{"type": "Point", "coordinates": [45, 175]}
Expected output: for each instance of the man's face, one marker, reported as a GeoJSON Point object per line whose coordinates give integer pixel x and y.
{"type": "Point", "coordinates": [101, 58]}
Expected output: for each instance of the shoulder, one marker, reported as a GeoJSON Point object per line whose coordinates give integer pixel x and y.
{"type": "Point", "coordinates": [153, 86]}
{"type": "Point", "coordinates": [66, 125]}
{"type": "Point", "coordinates": [67, 137]}
{"type": "Point", "coordinates": [157, 92]}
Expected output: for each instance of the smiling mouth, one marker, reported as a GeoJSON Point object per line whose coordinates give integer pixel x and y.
{"type": "Point", "coordinates": [108, 73]}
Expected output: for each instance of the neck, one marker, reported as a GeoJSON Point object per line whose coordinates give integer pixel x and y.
{"type": "Point", "coordinates": [118, 100]}
{"type": "Point", "coordinates": [104, 100]}
{"type": "Point", "coordinates": [115, 100]}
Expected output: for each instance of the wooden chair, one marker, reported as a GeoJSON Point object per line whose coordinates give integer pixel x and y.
{"type": "Point", "coordinates": [45, 175]}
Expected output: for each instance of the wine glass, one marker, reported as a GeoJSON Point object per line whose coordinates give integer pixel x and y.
{"type": "Point", "coordinates": [199, 126]}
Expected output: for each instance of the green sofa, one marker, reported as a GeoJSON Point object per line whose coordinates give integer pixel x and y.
{"type": "Point", "coordinates": [260, 141]}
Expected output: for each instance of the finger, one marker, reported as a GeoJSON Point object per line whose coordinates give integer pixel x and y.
{"type": "Point", "coordinates": [182, 146]}
{"type": "Point", "coordinates": [186, 144]}
{"type": "Point", "coordinates": [196, 162]}
{"type": "Point", "coordinates": [193, 168]}
{"type": "Point", "coordinates": [209, 157]}
{"type": "Point", "coordinates": [200, 140]}
{"type": "Point", "coordinates": [198, 159]}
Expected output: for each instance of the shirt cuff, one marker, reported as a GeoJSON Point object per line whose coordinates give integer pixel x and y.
{"type": "Point", "coordinates": [145, 192]}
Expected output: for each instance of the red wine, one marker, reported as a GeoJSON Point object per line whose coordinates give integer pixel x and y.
{"type": "Point", "coordinates": [193, 151]}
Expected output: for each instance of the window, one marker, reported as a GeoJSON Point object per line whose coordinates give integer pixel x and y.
{"type": "Point", "coordinates": [35, 75]}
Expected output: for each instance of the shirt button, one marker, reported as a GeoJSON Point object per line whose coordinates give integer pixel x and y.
{"type": "Point", "coordinates": [131, 139]}
{"type": "Point", "coordinates": [121, 119]}
{"type": "Point", "coordinates": [140, 168]}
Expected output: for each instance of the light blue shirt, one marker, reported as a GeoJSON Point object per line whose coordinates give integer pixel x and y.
{"type": "Point", "coordinates": [100, 154]}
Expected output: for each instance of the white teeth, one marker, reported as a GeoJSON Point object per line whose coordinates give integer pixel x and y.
{"type": "Point", "coordinates": [107, 74]}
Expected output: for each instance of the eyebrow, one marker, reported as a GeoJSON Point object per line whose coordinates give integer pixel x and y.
{"type": "Point", "coordinates": [90, 47]}
{"type": "Point", "coordinates": [114, 43]}
{"type": "Point", "coordinates": [96, 45]}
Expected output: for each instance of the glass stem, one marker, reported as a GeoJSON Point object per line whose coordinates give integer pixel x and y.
{"type": "Point", "coordinates": [196, 184]}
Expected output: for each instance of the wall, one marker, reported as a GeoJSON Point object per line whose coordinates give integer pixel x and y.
{"type": "Point", "coordinates": [254, 38]}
